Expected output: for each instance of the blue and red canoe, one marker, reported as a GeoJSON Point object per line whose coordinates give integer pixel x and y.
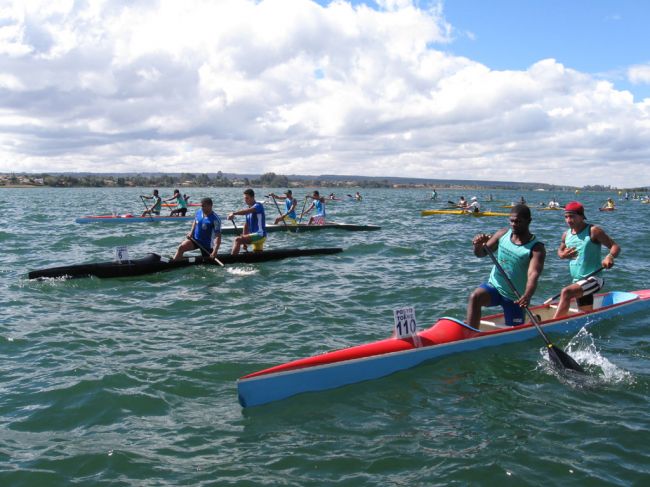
{"type": "Point", "coordinates": [447, 336]}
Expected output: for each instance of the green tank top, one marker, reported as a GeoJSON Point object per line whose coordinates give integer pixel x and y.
{"type": "Point", "coordinates": [158, 203]}
{"type": "Point", "coordinates": [181, 201]}
{"type": "Point", "coordinates": [588, 259]}
{"type": "Point", "coordinates": [515, 260]}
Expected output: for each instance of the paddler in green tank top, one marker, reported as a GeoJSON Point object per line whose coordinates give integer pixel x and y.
{"type": "Point", "coordinates": [181, 202]}
{"type": "Point", "coordinates": [155, 207]}
{"type": "Point", "coordinates": [522, 256]}
{"type": "Point", "coordinates": [582, 244]}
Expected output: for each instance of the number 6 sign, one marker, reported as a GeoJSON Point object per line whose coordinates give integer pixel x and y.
{"type": "Point", "coordinates": [121, 253]}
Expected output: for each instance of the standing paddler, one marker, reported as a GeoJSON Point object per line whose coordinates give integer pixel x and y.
{"type": "Point", "coordinates": [290, 202]}
{"type": "Point", "coordinates": [255, 227]}
{"type": "Point", "coordinates": [582, 243]}
{"type": "Point", "coordinates": [205, 232]}
{"type": "Point", "coordinates": [522, 256]}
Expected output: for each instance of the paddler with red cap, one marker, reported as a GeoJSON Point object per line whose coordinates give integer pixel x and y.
{"type": "Point", "coordinates": [582, 244]}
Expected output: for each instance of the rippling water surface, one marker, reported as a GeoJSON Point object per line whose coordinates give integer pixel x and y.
{"type": "Point", "coordinates": [132, 381]}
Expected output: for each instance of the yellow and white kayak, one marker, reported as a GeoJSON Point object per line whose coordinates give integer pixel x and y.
{"type": "Point", "coordinates": [462, 212]}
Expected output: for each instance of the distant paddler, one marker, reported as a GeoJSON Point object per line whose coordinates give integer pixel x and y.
{"type": "Point", "coordinates": [255, 227]}
{"type": "Point", "coordinates": [318, 203]}
{"type": "Point", "coordinates": [434, 195]}
{"type": "Point", "coordinates": [181, 204]}
{"type": "Point", "coordinates": [461, 203]}
{"type": "Point", "coordinates": [582, 244]}
{"type": "Point", "coordinates": [157, 204]}
{"type": "Point", "coordinates": [357, 196]}
{"type": "Point", "coordinates": [474, 206]}
{"type": "Point", "coordinates": [332, 197]}
{"type": "Point", "coordinates": [206, 231]}
{"type": "Point", "coordinates": [609, 204]}
{"type": "Point", "coordinates": [522, 256]}
{"type": "Point", "coordinates": [290, 205]}
{"type": "Point", "coordinates": [553, 203]}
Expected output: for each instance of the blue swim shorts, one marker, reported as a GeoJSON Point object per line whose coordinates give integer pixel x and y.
{"type": "Point", "coordinates": [513, 313]}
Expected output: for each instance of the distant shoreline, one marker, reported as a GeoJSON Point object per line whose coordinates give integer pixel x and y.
{"type": "Point", "coordinates": [338, 189]}
{"type": "Point", "coordinates": [338, 183]}
{"type": "Point", "coordinates": [23, 186]}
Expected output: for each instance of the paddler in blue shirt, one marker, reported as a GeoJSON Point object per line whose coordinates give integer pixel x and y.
{"type": "Point", "coordinates": [522, 256]}
{"type": "Point", "coordinates": [582, 244]}
{"type": "Point", "coordinates": [206, 230]}
{"type": "Point", "coordinates": [157, 204]}
{"type": "Point", "coordinates": [319, 204]}
{"type": "Point", "coordinates": [255, 227]}
{"type": "Point", "coordinates": [181, 203]}
{"type": "Point", "coordinates": [290, 202]}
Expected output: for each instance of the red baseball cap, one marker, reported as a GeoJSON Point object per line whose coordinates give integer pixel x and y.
{"type": "Point", "coordinates": [575, 207]}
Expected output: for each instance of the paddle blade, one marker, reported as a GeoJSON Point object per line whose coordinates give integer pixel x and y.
{"type": "Point", "coordinates": [562, 359]}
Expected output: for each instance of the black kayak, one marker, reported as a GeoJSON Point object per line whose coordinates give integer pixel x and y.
{"type": "Point", "coordinates": [303, 227]}
{"type": "Point", "coordinates": [155, 263]}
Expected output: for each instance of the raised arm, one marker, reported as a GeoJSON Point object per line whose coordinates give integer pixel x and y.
{"type": "Point", "coordinates": [491, 241]}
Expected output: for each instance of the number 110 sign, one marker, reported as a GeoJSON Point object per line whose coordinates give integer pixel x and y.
{"type": "Point", "coordinates": [405, 324]}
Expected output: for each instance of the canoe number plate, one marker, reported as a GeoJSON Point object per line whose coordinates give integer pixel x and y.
{"type": "Point", "coordinates": [405, 324]}
{"type": "Point", "coordinates": [121, 253]}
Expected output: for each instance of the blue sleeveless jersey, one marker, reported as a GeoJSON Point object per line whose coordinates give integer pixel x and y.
{"type": "Point", "coordinates": [320, 208]}
{"type": "Point", "coordinates": [257, 220]}
{"type": "Point", "coordinates": [206, 228]}
{"type": "Point", "coordinates": [289, 203]}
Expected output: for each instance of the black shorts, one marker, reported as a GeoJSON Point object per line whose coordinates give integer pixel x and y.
{"type": "Point", "coordinates": [179, 211]}
{"type": "Point", "coordinates": [589, 286]}
{"type": "Point", "coordinates": [203, 252]}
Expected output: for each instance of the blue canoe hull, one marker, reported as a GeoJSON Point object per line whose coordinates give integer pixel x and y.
{"type": "Point", "coordinates": [261, 388]}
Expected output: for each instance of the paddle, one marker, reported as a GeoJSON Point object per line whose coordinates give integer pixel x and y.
{"type": "Point", "coordinates": [560, 293]}
{"type": "Point", "coordinates": [204, 250]}
{"type": "Point", "coordinates": [276, 205]}
{"type": "Point", "coordinates": [146, 207]}
{"type": "Point", "coordinates": [236, 231]}
{"type": "Point", "coordinates": [558, 356]}
{"type": "Point", "coordinates": [302, 212]}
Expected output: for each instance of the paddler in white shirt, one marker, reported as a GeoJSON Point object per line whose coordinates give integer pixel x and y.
{"type": "Point", "coordinates": [474, 206]}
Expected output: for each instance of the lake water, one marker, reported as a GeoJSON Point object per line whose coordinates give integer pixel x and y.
{"type": "Point", "coordinates": [132, 381]}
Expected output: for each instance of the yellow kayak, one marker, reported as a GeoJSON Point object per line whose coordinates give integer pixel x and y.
{"type": "Point", "coordinates": [550, 208]}
{"type": "Point", "coordinates": [461, 212]}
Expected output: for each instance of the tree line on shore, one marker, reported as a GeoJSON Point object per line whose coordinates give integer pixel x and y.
{"type": "Point", "coordinates": [269, 179]}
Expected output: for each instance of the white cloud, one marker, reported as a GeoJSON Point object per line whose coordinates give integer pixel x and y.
{"type": "Point", "coordinates": [639, 74]}
{"type": "Point", "coordinates": [293, 87]}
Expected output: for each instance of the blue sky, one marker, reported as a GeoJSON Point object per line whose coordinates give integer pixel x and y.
{"type": "Point", "coordinates": [602, 37]}
{"type": "Point", "coordinates": [530, 90]}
